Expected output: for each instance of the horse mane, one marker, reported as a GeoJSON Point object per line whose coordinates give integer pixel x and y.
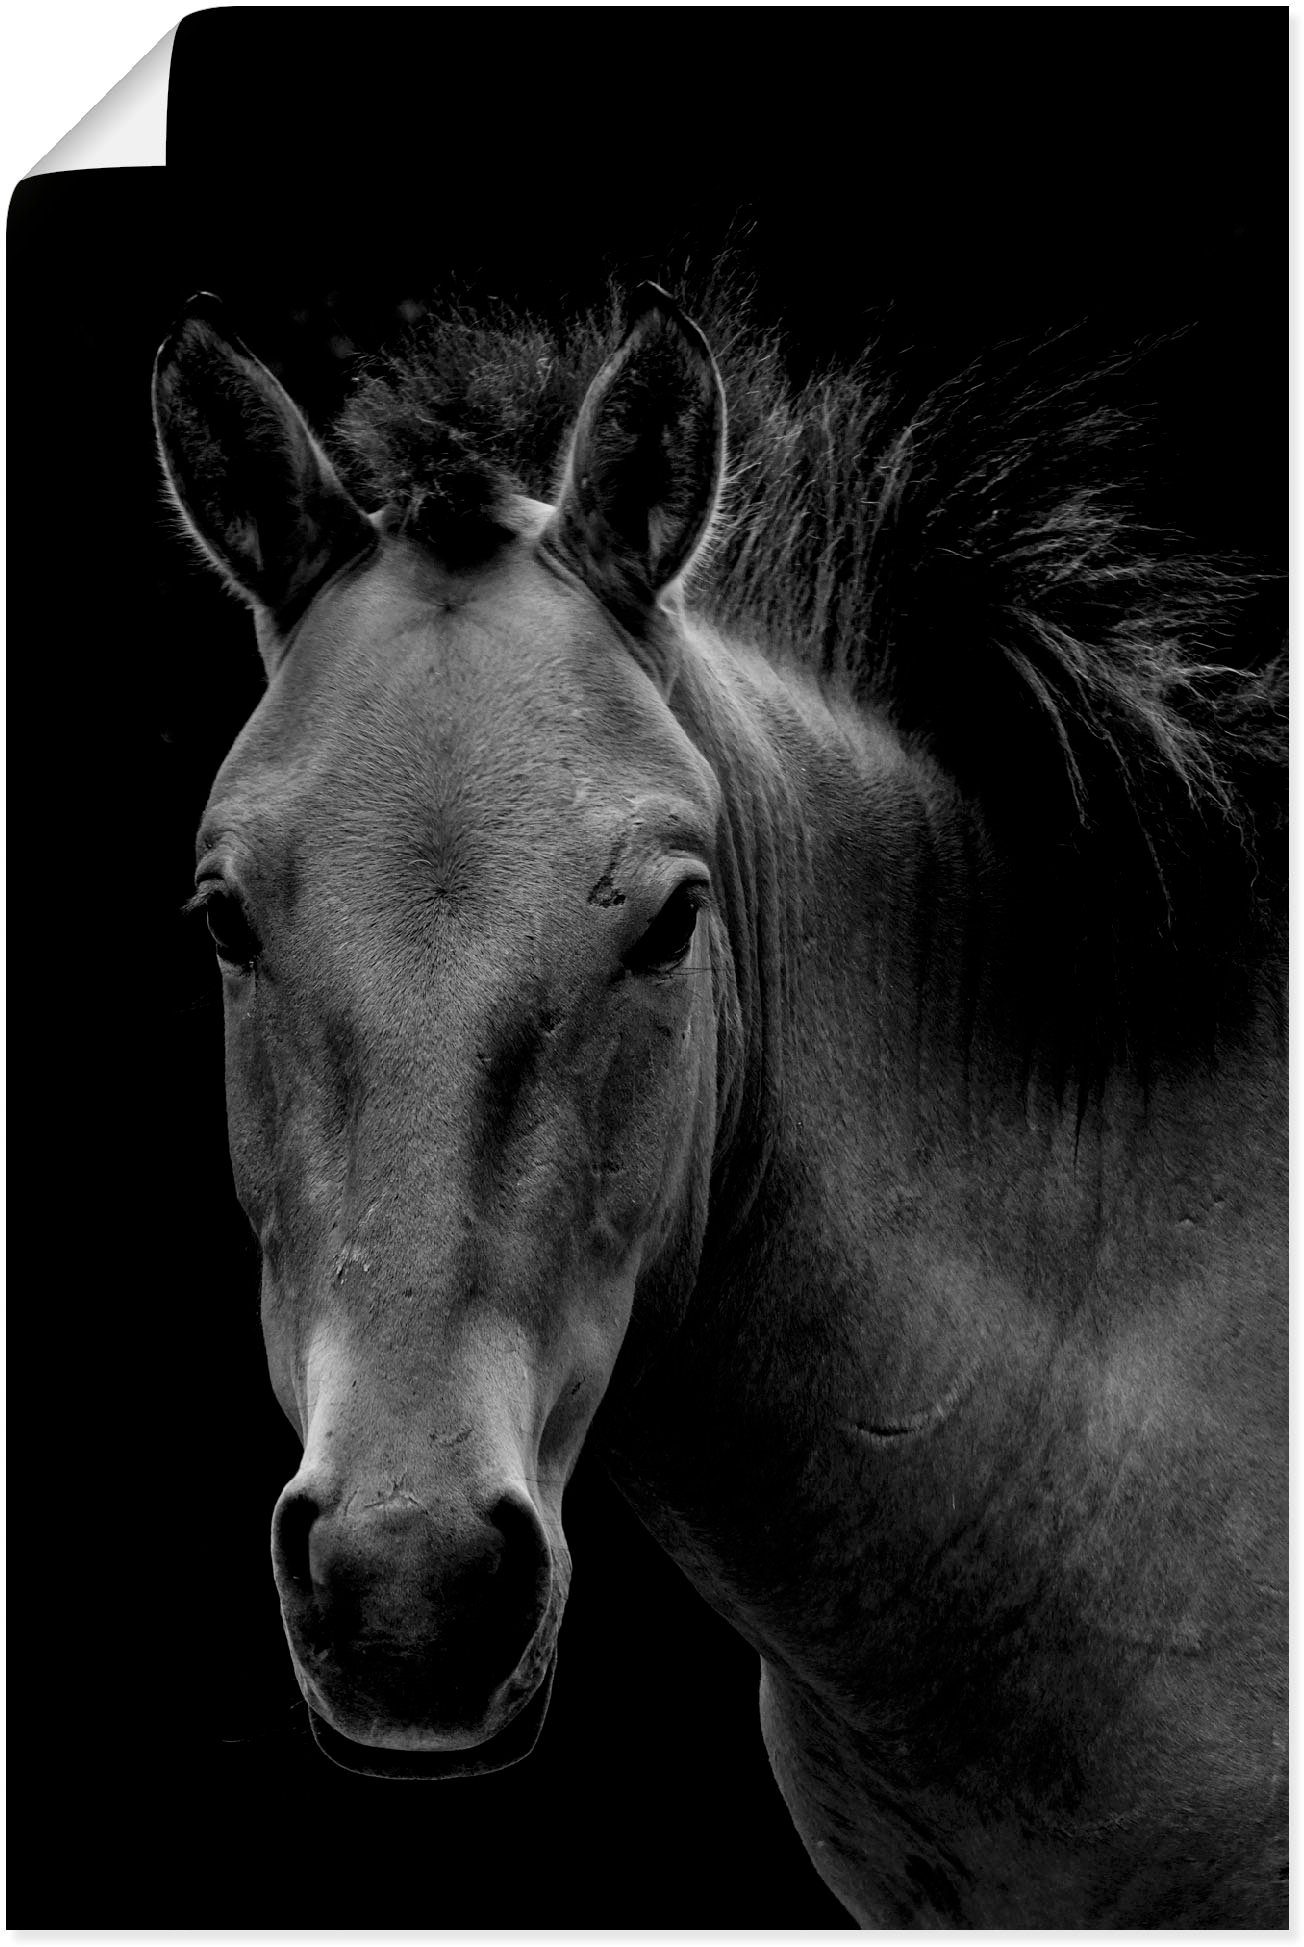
{"type": "Point", "coordinates": [979, 561]}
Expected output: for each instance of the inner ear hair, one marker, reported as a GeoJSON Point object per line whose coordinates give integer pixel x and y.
{"type": "Point", "coordinates": [252, 484]}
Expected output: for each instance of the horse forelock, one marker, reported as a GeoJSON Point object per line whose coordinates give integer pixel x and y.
{"type": "Point", "coordinates": [470, 411]}
{"type": "Point", "coordinates": [978, 562]}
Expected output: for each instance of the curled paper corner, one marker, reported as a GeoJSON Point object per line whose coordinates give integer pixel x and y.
{"type": "Point", "coordinates": [127, 129]}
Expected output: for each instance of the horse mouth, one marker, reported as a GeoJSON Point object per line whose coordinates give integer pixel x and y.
{"type": "Point", "coordinates": [505, 1747]}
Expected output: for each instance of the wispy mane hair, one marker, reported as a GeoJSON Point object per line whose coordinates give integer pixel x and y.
{"type": "Point", "coordinates": [981, 562]}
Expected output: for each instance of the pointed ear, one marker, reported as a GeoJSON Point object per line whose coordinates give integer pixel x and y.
{"type": "Point", "coordinates": [254, 487]}
{"type": "Point", "coordinates": [646, 460]}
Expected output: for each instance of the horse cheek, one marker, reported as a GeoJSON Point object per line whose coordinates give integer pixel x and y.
{"type": "Point", "coordinates": [251, 1118]}
{"type": "Point", "coordinates": [647, 1116]}
{"type": "Point", "coordinates": [287, 1176]}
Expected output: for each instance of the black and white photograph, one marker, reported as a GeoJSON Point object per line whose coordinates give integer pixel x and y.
{"type": "Point", "coordinates": [648, 854]}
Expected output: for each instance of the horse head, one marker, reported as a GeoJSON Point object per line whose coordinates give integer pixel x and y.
{"type": "Point", "coordinates": [458, 871]}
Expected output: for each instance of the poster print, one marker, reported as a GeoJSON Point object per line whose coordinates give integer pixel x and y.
{"type": "Point", "coordinates": [946, 185]}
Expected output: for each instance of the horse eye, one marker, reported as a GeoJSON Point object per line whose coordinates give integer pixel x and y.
{"type": "Point", "coordinates": [670, 935]}
{"type": "Point", "coordinates": [229, 929]}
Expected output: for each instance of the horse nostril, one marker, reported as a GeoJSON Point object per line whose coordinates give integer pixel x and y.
{"type": "Point", "coordinates": [292, 1523]}
{"type": "Point", "coordinates": [525, 1562]}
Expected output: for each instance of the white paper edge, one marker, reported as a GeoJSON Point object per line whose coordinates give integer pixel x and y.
{"type": "Point", "coordinates": [128, 128]}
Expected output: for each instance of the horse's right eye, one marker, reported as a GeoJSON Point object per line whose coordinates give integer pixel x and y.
{"type": "Point", "coordinates": [229, 929]}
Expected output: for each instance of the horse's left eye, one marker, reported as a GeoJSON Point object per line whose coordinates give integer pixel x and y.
{"type": "Point", "coordinates": [668, 938]}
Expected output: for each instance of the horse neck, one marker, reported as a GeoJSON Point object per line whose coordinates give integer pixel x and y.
{"type": "Point", "coordinates": [888, 1047]}
{"type": "Point", "coordinates": [855, 891]}
{"type": "Point", "coordinates": [909, 1212]}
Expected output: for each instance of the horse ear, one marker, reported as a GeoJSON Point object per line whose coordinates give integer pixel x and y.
{"type": "Point", "coordinates": [254, 487]}
{"type": "Point", "coordinates": [646, 460]}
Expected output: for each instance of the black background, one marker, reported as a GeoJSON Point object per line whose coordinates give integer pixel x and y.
{"type": "Point", "coordinates": [978, 171]}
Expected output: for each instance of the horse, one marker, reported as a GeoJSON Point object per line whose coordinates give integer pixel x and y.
{"type": "Point", "coordinates": [751, 925]}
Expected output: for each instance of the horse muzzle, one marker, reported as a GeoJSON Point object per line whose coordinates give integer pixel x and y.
{"type": "Point", "coordinates": [423, 1635]}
